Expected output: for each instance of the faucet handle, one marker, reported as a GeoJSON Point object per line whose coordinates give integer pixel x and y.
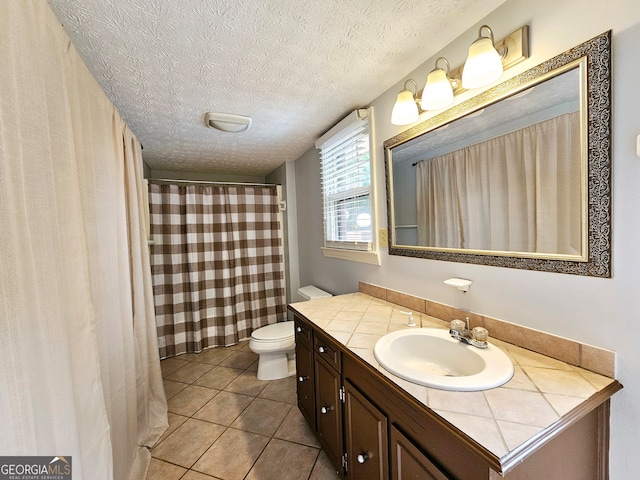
{"type": "Point", "coordinates": [457, 325]}
{"type": "Point", "coordinates": [480, 334]}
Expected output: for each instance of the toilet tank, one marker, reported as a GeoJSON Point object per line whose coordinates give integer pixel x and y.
{"type": "Point", "coordinates": [311, 292]}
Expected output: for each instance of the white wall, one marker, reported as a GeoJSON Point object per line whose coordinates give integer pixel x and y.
{"type": "Point", "coordinates": [602, 312]}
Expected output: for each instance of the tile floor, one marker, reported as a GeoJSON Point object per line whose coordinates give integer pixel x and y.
{"type": "Point", "coordinates": [226, 424]}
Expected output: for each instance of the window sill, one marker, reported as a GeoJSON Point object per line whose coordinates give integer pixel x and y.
{"type": "Point", "coordinates": [372, 258]}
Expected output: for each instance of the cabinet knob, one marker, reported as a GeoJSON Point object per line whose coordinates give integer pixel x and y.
{"type": "Point", "coordinates": [322, 349]}
{"type": "Point", "coordinates": [363, 457]}
{"type": "Point", "coordinates": [302, 378]}
{"type": "Point", "coordinates": [326, 409]}
{"type": "Point", "coordinates": [299, 329]}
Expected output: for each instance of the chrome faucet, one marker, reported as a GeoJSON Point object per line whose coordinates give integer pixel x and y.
{"type": "Point", "coordinates": [463, 332]}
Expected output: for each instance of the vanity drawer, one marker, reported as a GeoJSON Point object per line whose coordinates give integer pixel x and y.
{"type": "Point", "coordinates": [326, 348]}
{"type": "Point", "coordinates": [304, 333]}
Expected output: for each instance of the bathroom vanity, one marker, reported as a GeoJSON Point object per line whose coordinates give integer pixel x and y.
{"type": "Point", "coordinates": [374, 425]}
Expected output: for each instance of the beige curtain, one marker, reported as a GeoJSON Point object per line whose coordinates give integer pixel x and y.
{"type": "Point", "coordinates": [517, 192]}
{"type": "Point", "coordinates": [79, 365]}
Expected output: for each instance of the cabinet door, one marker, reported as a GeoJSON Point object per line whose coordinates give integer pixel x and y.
{"type": "Point", "coordinates": [366, 437]}
{"type": "Point", "coordinates": [329, 411]}
{"type": "Point", "coordinates": [410, 463]}
{"type": "Point", "coordinates": [304, 374]}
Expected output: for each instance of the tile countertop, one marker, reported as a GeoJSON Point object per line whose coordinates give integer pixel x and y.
{"type": "Point", "coordinates": [541, 392]}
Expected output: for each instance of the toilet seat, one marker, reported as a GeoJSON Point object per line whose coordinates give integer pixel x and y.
{"type": "Point", "coordinates": [277, 337]}
{"type": "Point", "coordinates": [273, 333]}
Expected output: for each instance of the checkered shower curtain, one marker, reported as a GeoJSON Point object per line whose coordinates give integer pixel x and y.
{"type": "Point", "coordinates": [217, 264]}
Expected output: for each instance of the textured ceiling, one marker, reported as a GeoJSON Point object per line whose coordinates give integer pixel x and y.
{"type": "Point", "coordinates": [296, 66]}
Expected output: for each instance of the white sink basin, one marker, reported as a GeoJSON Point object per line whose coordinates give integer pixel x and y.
{"type": "Point", "coordinates": [430, 357]}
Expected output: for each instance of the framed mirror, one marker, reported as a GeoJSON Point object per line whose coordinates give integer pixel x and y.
{"type": "Point", "coordinates": [518, 176]}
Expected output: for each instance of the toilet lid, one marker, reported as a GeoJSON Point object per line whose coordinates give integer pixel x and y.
{"type": "Point", "coordinates": [276, 331]}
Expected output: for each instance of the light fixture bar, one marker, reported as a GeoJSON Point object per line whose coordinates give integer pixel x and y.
{"type": "Point", "coordinates": [513, 49]}
{"type": "Point", "coordinates": [517, 44]}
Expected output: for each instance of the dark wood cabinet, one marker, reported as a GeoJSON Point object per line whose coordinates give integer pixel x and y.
{"type": "Point", "coordinates": [319, 388]}
{"type": "Point", "coordinates": [328, 350]}
{"type": "Point", "coordinates": [409, 462]}
{"type": "Point", "coordinates": [366, 435]}
{"type": "Point", "coordinates": [329, 410]}
{"type": "Point", "coordinates": [372, 429]}
{"type": "Point", "coordinates": [306, 379]}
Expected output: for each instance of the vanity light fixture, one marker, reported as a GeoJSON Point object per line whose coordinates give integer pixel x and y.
{"type": "Point", "coordinates": [485, 64]}
{"type": "Point", "coordinates": [405, 110]}
{"type": "Point", "coordinates": [438, 91]}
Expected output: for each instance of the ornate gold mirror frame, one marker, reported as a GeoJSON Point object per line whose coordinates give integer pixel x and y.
{"type": "Point", "coordinates": [594, 56]}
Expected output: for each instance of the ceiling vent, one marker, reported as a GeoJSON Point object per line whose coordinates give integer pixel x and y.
{"type": "Point", "coordinates": [227, 122]}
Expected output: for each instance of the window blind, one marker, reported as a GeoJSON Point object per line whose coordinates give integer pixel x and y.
{"type": "Point", "coordinates": [346, 183]}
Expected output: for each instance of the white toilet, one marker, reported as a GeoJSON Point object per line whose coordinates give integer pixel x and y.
{"type": "Point", "coordinates": [275, 343]}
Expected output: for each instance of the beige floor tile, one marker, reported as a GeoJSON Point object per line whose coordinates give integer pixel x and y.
{"type": "Point", "coordinates": [190, 400]}
{"type": "Point", "coordinates": [174, 422]}
{"type": "Point", "coordinates": [191, 475]}
{"type": "Point", "coordinates": [240, 359]}
{"type": "Point", "coordinates": [190, 357]}
{"type": "Point", "coordinates": [224, 408]}
{"type": "Point", "coordinates": [219, 377]}
{"type": "Point", "coordinates": [188, 442]}
{"type": "Point", "coordinates": [262, 416]}
{"type": "Point", "coordinates": [227, 453]}
{"type": "Point", "coordinates": [253, 367]}
{"type": "Point", "coordinates": [232, 455]}
{"type": "Point", "coordinates": [324, 469]}
{"type": "Point", "coordinates": [247, 383]}
{"type": "Point", "coordinates": [170, 365]}
{"type": "Point", "coordinates": [284, 460]}
{"type": "Point", "coordinates": [294, 428]}
{"type": "Point", "coordinates": [215, 355]}
{"type": "Point", "coordinates": [159, 470]}
{"type": "Point", "coordinates": [171, 387]}
{"type": "Point", "coordinates": [242, 345]}
{"type": "Point", "coordinates": [189, 373]}
{"type": "Point", "coordinates": [283, 390]}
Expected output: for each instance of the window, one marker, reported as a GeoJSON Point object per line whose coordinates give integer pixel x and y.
{"type": "Point", "coordinates": [347, 191]}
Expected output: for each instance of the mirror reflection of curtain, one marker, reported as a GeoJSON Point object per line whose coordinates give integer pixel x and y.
{"type": "Point", "coordinates": [517, 192]}
{"type": "Point", "coordinates": [217, 264]}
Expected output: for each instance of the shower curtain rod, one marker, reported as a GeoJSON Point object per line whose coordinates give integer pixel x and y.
{"type": "Point", "coordinates": [174, 180]}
